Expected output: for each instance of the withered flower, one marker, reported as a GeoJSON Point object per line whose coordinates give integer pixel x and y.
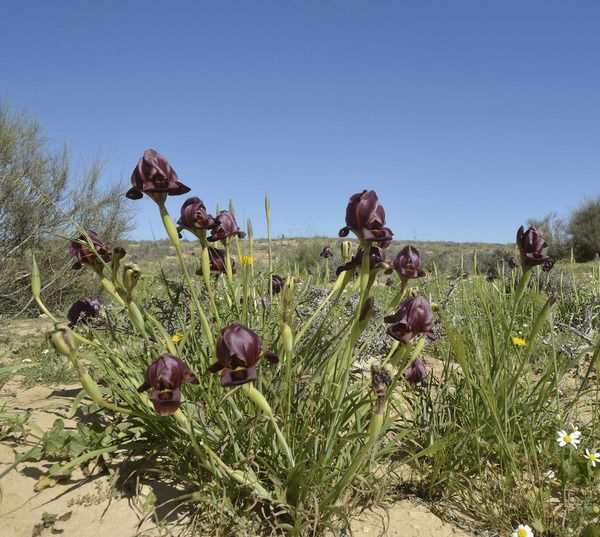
{"type": "Point", "coordinates": [225, 227]}
{"type": "Point", "coordinates": [511, 263]}
{"type": "Point", "coordinates": [408, 263]}
{"type": "Point", "coordinates": [154, 175]}
{"type": "Point", "coordinates": [194, 216]}
{"type": "Point", "coordinates": [416, 372]}
{"type": "Point", "coordinates": [376, 260]}
{"type": "Point", "coordinates": [532, 247]}
{"type": "Point", "coordinates": [326, 252]}
{"type": "Point", "coordinates": [365, 217]}
{"type": "Point", "coordinates": [83, 254]}
{"type": "Point", "coordinates": [83, 309]}
{"type": "Point", "coordinates": [413, 316]}
{"type": "Point", "coordinates": [238, 351]}
{"type": "Point", "coordinates": [165, 377]}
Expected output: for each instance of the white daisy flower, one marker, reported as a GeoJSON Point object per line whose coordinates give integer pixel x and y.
{"type": "Point", "coordinates": [565, 438]}
{"type": "Point", "coordinates": [523, 531]}
{"type": "Point", "coordinates": [592, 457]}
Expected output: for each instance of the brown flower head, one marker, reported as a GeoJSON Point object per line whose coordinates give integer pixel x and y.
{"type": "Point", "coordinates": [154, 175]}
{"type": "Point", "coordinates": [165, 377]}
{"type": "Point", "coordinates": [365, 217]}
{"type": "Point", "coordinates": [83, 254]}
{"type": "Point", "coordinates": [225, 228]}
{"type": "Point", "coordinates": [238, 351]}
{"type": "Point", "coordinates": [532, 247]}
{"type": "Point", "coordinates": [408, 263]}
{"type": "Point", "coordinates": [194, 216]}
{"type": "Point", "coordinates": [413, 316]}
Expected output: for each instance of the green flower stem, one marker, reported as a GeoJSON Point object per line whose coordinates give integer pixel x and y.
{"type": "Point", "coordinates": [374, 429]}
{"type": "Point", "coordinates": [522, 285]}
{"type": "Point", "coordinates": [91, 388]}
{"type": "Point", "coordinates": [163, 332]}
{"type": "Point", "coordinates": [205, 264]}
{"type": "Point", "coordinates": [237, 475]}
{"type": "Point", "coordinates": [259, 400]}
{"type": "Point", "coordinates": [287, 338]}
{"type": "Point", "coordinates": [110, 288]}
{"type": "Point", "coordinates": [174, 237]}
{"type": "Point", "coordinates": [340, 284]}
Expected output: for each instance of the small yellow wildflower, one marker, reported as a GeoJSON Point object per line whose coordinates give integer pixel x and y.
{"type": "Point", "coordinates": [246, 260]}
{"type": "Point", "coordinates": [518, 341]}
{"type": "Point", "coordinates": [177, 337]}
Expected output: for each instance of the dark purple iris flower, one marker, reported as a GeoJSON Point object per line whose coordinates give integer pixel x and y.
{"type": "Point", "coordinates": [416, 372]}
{"type": "Point", "coordinates": [83, 309]}
{"type": "Point", "coordinates": [83, 254]}
{"type": "Point", "coordinates": [165, 377]}
{"type": "Point", "coordinates": [532, 247]}
{"type": "Point", "coordinates": [154, 175]}
{"type": "Point", "coordinates": [376, 260]}
{"type": "Point", "coordinates": [365, 217]}
{"type": "Point", "coordinates": [408, 263]}
{"type": "Point", "coordinates": [238, 351]}
{"type": "Point", "coordinates": [225, 228]}
{"type": "Point", "coordinates": [326, 252]}
{"type": "Point", "coordinates": [194, 216]}
{"type": "Point", "coordinates": [413, 316]}
{"type": "Point", "coordinates": [277, 282]}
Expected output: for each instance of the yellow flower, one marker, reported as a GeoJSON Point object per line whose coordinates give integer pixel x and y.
{"type": "Point", "coordinates": [177, 337]}
{"type": "Point", "coordinates": [518, 341]}
{"type": "Point", "coordinates": [246, 260]}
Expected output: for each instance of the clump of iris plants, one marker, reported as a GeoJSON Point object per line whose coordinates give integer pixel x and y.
{"type": "Point", "coordinates": [251, 399]}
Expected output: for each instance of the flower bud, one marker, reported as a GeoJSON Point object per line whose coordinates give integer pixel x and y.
{"type": "Point", "coordinates": [61, 340]}
{"type": "Point", "coordinates": [131, 276]}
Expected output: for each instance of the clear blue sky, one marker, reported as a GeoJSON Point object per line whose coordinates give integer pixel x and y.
{"type": "Point", "coordinates": [466, 117]}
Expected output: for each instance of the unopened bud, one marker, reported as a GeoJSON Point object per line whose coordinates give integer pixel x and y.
{"type": "Point", "coordinates": [62, 340]}
{"type": "Point", "coordinates": [346, 250]}
{"type": "Point", "coordinates": [131, 276]}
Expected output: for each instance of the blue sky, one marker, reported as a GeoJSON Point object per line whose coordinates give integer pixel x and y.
{"type": "Point", "coordinates": [466, 117]}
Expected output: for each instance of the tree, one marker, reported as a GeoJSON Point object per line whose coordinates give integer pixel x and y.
{"type": "Point", "coordinates": [42, 200]}
{"type": "Point", "coordinates": [584, 228]}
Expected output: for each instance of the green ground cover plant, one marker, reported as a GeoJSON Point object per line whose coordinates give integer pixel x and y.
{"type": "Point", "coordinates": [287, 398]}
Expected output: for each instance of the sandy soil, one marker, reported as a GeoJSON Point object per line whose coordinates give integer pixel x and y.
{"type": "Point", "coordinates": [89, 506]}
